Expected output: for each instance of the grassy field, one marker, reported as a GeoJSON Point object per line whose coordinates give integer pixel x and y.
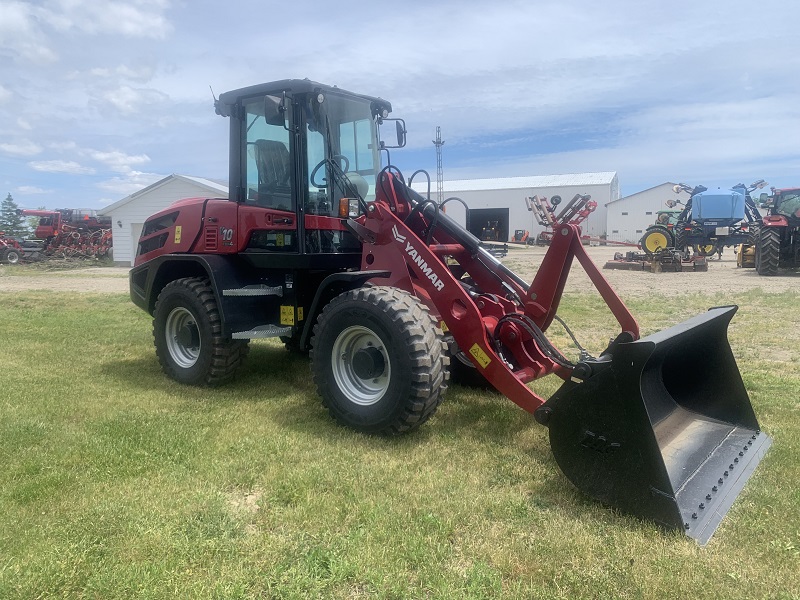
{"type": "Point", "coordinates": [119, 483]}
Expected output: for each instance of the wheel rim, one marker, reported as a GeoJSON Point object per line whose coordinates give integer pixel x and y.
{"type": "Point", "coordinates": [705, 249]}
{"type": "Point", "coordinates": [13, 257]}
{"type": "Point", "coordinates": [183, 337]}
{"type": "Point", "coordinates": [349, 349]}
{"type": "Point", "coordinates": [656, 241]}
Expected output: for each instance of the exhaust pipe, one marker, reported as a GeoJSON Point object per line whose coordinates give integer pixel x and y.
{"type": "Point", "coordinates": [660, 427]}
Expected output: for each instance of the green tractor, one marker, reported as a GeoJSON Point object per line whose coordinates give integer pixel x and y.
{"type": "Point", "coordinates": [663, 234]}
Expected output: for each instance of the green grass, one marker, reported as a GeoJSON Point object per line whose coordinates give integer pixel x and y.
{"type": "Point", "coordinates": [119, 483]}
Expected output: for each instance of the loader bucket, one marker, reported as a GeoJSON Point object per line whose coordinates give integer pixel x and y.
{"type": "Point", "coordinates": [661, 427]}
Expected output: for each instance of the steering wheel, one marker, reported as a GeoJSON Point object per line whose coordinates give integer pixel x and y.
{"type": "Point", "coordinates": [338, 157]}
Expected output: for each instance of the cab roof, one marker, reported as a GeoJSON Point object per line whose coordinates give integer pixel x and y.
{"type": "Point", "coordinates": [293, 86]}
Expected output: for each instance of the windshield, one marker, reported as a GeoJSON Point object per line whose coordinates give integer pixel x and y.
{"type": "Point", "coordinates": [342, 130]}
{"type": "Point", "coordinates": [789, 205]}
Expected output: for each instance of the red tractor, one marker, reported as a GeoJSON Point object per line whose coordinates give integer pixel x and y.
{"type": "Point", "coordinates": [10, 250]}
{"type": "Point", "coordinates": [778, 243]}
{"type": "Point", "coordinates": [321, 246]}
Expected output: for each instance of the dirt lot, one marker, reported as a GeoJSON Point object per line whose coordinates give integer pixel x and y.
{"type": "Point", "coordinates": [722, 276]}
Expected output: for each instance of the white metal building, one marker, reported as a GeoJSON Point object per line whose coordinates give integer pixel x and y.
{"type": "Point", "coordinates": [503, 200]}
{"type": "Point", "coordinates": [629, 217]}
{"type": "Point", "coordinates": [128, 215]}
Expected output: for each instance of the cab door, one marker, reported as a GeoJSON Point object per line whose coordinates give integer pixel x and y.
{"type": "Point", "coordinates": [268, 213]}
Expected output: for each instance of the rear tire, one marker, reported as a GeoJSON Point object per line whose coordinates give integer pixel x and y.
{"type": "Point", "coordinates": [379, 360]}
{"type": "Point", "coordinates": [187, 332]}
{"type": "Point", "coordinates": [768, 251]}
{"type": "Point", "coordinates": [656, 238]}
{"type": "Point", "coordinates": [13, 256]}
{"type": "Point", "coordinates": [680, 239]}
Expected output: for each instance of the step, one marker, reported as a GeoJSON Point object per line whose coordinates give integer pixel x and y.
{"type": "Point", "coordinates": [262, 331]}
{"type": "Point", "coordinates": [255, 290]}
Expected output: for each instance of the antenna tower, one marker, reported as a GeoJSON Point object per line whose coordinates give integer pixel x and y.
{"type": "Point", "coordinates": [439, 175]}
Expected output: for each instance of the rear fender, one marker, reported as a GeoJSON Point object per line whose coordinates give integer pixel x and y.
{"type": "Point", "coordinates": [775, 221]}
{"type": "Point", "coordinates": [224, 272]}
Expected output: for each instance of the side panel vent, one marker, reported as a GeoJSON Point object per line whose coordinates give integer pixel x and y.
{"type": "Point", "coordinates": [211, 238]}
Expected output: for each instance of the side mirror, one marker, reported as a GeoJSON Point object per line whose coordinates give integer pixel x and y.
{"type": "Point", "coordinates": [671, 203]}
{"type": "Point", "coordinates": [400, 132]}
{"type": "Point", "coordinates": [400, 126]}
{"type": "Point", "coordinates": [677, 189]}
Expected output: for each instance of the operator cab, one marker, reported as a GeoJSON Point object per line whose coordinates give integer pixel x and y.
{"type": "Point", "coordinates": [298, 148]}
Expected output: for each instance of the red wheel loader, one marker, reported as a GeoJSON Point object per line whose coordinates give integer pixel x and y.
{"type": "Point", "coordinates": [320, 246]}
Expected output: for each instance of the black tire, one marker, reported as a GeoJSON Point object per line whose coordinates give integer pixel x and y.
{"type": "Point", "coordinates": [755, 230]}
{"type": "Point", "coordinates": [187, 333]}
{"type": "Point", "coordinates": [13, 256]}
{"type": "Point", "coordinates": [679, 235]}
{"type": "Point", "coordinates": [379, 360]}
{"type": "Point", "coordinates": [656, 238]}
{"type": "Point", "coordinates": [768, 251]}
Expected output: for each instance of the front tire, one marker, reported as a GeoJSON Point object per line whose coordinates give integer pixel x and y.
{"type": "Point", "coordinates": [187, 332]}
{"type": "Point", "coordinates": [379, 360]}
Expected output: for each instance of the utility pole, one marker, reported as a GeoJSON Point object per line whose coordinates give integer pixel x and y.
{"type": "Point", "coordinates": [439, 174]}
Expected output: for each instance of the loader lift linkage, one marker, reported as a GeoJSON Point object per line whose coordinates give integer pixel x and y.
{"type": "Point", "coordinates": [321, 246]}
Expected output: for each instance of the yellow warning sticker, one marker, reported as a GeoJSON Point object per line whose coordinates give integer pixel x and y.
{"type": "Point", "coordinates": [177, 234]}
{"type": "Point", "coordinates": [299, 313]}
{"type": "Point", "coordinates": [287, 315]}
{"type": "Point", "coordinates": [477, 352]}
{"type": "Point", "coordinates": [443, 327]}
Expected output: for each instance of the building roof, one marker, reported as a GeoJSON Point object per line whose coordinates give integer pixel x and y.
{"type": "Point", "coordinates": [533, 181]}
{"type": "Point", "coordinates": [669, 183]}
{"type": "Point", "coordinates": [215, 187]}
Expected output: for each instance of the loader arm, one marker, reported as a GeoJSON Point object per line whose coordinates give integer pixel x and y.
{"type": "Point", "coordinates": [494, 316]}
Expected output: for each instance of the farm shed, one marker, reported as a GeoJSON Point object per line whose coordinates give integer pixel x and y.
{"type": "Point", "coordinates": [502, 200]}
{"type": "Point", "coordinates": [128, 215]}
{"type": "Point", "coordinates": [629, 217]}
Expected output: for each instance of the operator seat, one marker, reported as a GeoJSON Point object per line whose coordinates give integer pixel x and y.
{"type": "Point", "coordinates": [274, 174]}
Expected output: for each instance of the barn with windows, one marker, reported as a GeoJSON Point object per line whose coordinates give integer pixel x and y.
{"type": "Point", "coordinates": [499, 204]}
{"type": "Point", "coordinates": [128, 215]}
{"type": "Point", "coordinates": [629, 217]}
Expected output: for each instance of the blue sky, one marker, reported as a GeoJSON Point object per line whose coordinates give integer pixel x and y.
{"type": "Point", "coordinates": [99, 99]}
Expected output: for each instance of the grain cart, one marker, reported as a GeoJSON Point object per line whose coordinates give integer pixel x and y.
{"type": "Point", "coordinates": [778, 242]}
{"type": "Point", "coordinates": [320, 246]}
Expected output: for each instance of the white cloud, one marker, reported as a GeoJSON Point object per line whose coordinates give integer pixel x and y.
{"type": "Point", "coordinates": [134, 18]}
{"type": "Point", "coordinates": [132, 182]}
{"type": "Point", "coordinates": [61, 166]}
{"type": "Point", "coordinates": [130, 101]}
{"type": "Point", "coordinates": [21, 148]}
{"type": "Point", "coordinates": [21, 36]}
{"type": "Point", "coordinates": [141, 74]}
{"type": "Point", "coordinates": [119, 161]}
{"type": "Point", "coordinates": [62, 146]}
{"type": "Point", "coordinates": [31, 190]}
{"type": "Point", "coordinates": [5, 94]}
